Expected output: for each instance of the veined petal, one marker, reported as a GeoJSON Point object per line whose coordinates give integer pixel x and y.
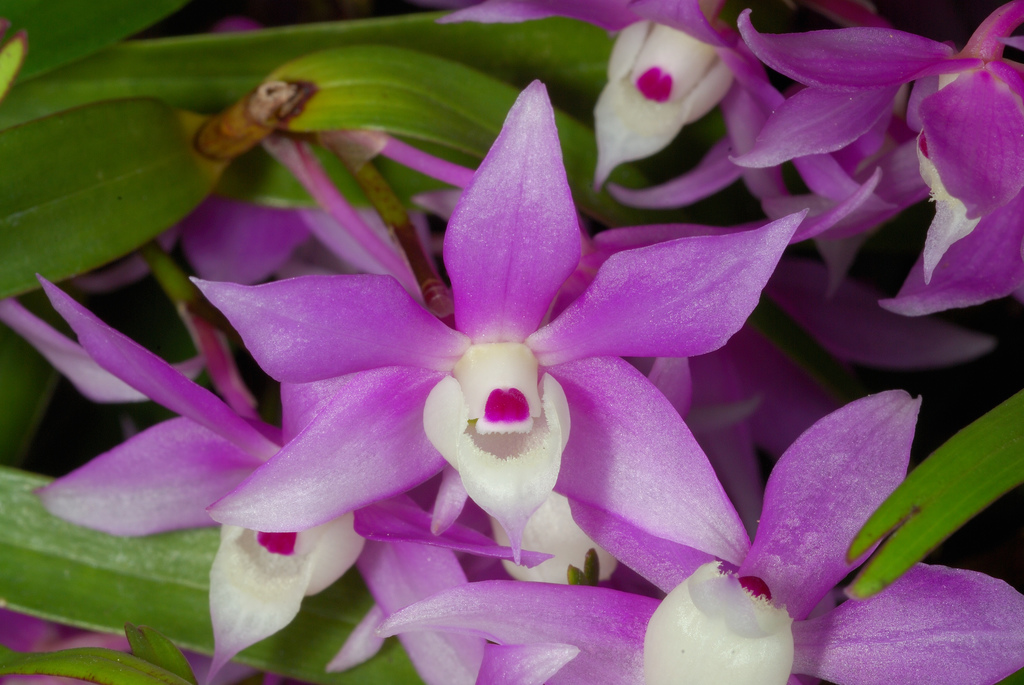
{"type": "Point", "coordinates": [367, 444]}
{"type": "Point", "coordinates": [974, 128]}
{"type": "Point", "coordinates": [822, 491]}
{"type": "Point", "coordinates": [935, 624]}
{"type": "Point", "coordinates": [88, 377]}
{"type": "Point", "coordinates": [984, 266]}
{"type": "Point", "coordinates": [608, 14]}
{"type": "Point", "coordinates": [514, 237]}
{"type": "Point", "coordinates": [533, 664]}
{"type": "Point", "coordinates": [161, 479]}
{"type": "Point", "coordinates": [399, 574]}
{"type": "Point", "coordinates": [607, 625]}
{"type": "Point", "coordinates": [631, 454]}
{"type": "Point", "coordinates": [664, 563]}
{"type": "Point", "coordinates": [155, 378]}
{"type": "Point", "coordinates": [315, 327]}
{"type": "Point", "coordinates": [849, 59]}
{"type": "Point", "coordinates": [817, 121]}
{"type": "Point", "coordinates": [227, 240]}
{"type": "Point", "coordinates": [852, 326]}
{"type": "Point", "coordinates": [673, 299]}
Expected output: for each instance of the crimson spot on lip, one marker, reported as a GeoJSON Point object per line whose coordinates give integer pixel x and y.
{"type": "Point", "coordinates": [278, 543]}
{"type": "Point", "coordinates": [506, 406]}
{"type": "Point", "coordinates": [922, 143]}
{"type": "Point", "coordinates": [655, 84]}
{"type": "Point", "coordinates": [755, 586]}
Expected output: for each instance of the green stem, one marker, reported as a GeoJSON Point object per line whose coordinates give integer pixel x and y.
{"type": "Point", "coordinates": [356, 158]}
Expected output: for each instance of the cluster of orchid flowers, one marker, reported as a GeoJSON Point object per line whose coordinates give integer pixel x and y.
{"type": "Point", "coordinates": [593, 392]}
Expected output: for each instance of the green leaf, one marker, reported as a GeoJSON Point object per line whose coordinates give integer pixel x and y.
{"type": "Point", "coordinates": [149, 645]}
{"type": "Point", "coordinates": [207, 73]}
{"type": "Point", "coordinates": [97, 665]}
{"type": "Point", "coordinates": [26, 383]}
{"type": "Point", "coordinates": [966, 474]}
{"type": "Point", "coordinates": [62, 31]}
{"type": "Point", "coordinates": [802, 349]}
{"type": "Point", "coordinates": [81, 188]}
{"type": "Point", "coordinates": [433, 99]}
{"type": "Point", "coordinates": [58, 571]}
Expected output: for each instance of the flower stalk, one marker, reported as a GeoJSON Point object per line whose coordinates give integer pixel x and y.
{"type": "Point", "coordinates": [352, 148]}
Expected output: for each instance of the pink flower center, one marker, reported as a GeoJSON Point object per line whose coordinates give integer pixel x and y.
{"type": "Point", "coordinates": [755, 586]}
{"type": "Point", "coordinates": [506, 406]}
{"type": "Point", "coordinates": [655, 84]}
{"type": "Point", "coordinates": [278, 543]}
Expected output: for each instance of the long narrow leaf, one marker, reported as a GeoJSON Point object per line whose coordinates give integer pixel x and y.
{"type": "Point", "coordinates": [84, 187]}
{"type": "Point", "coordinates": [965, 475]}
{"type": "Point", "coordinates": [94, 664]}
{"type": "Point", "coordinates": [65, 30]}
{"type": "Point", "coordinates": [207, 73]}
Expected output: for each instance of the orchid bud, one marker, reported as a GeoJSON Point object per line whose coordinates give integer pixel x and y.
{"type": "Point", "coordinates": [552, 530]}
{"type": "Point", "coordinates": [659, 79]}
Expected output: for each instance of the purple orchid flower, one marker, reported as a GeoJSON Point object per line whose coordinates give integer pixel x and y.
{"type": "Point", "coordinates": [966, 105]}
{"type": "Point", "coordinates": [494, 397]}
{"type": "Point", "coordinates": [165, 477]}
{"type": "Point", "coordinates": [766, 614]}
{"type": "Point", "coordinates": [672, 62]}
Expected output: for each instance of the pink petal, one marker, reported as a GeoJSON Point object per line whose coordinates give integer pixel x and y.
{"type": "Point", "coordinates": [161, 479]}
{"type": "Point", "coordinates": [608, 626]}
{"type": "Point", "coordinates": [850, 59]}
{"type": "Point", "coordinates": [673, 299]}
{"type": "Point", "coordinates": [630, 454]}
{"type": "Point", "coordinates": [664, 563]}
{"type": "Point", "coordinates": [822, 491]}
{"type": "Point", "coordinates": [226, 240]}
{"type": "Point", "coordinates": [934, 625]}
{"type": "Point", "coordinates": [366, 445]}
{"type": "Point", "coordinates": [791, 399]}
{"type": "Point", "coordinates": [514, 237]}
{"type": "Point", "coordinates": [816, 121]}
{"type": "Point", "coordinates": [974, 129]}
{"type": "Point", "coordinates": [683, 15]}
{"type": "Point", "coordinates": [155, 378]}
{"type": "Point", "coordinates": [608, 14]}
{"type": "Point", "coordinates": [315, 327]}
{"type": "Point", "coordinates": [399, 520]}
{"type": "Point", "coordinates": [852, 326]}
{"type": "Point", "coordinates": [714, 172]}
{"type": "Point", "coordinates": [361, 644]}
{"type": "Point", "coordinates": [399, 574]}
{"type": "Point", "coordinates": [533, 664]}
{"type": "Point", "coordinates": [88, 377]}
{"type": "Point", "coordinates": [984, 266]}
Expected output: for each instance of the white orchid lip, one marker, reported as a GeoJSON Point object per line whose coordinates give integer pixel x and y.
{"type": "Point", "coordinates": [501, 430]}
{"type": "Point", "coordinates": [659, 79]}
{"type": "Point", "coordinates": [719, 630]}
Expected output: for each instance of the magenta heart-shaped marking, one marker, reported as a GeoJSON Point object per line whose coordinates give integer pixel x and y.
{"type": "Point", "coordinates": [655, 84]}
{"type": "Point", "coordinates": [506, 406]}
